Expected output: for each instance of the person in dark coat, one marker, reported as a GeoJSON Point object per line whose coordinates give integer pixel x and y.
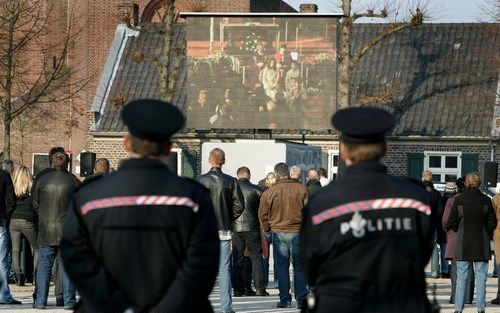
{"type": "Point", "coordinates": [7, 202]}
{"type": "Point", "coordinates": [51, 199]}
{"type": "Point", "coordinates": [473, 219]}
{"type": "Point", "coordinates": [367, 236]}
{"type": "Point", "coordinates": [313, 185]}
{"type": "Point", "coordinates": [247, 234]}
{"type": "Point", "coordinates": [23, 220]}
{"type": "Point", "coordinates": [101, 167]}
{"type": "Point", "coordinates": [435, 197]}
{"type": "Point", "coordinates": [143, 239]}
{"type": "Point", "coordinates": [451, 240]}
{"type": "Point", "coordinates": [57, 274]}
{"type": "Point", "coordinates": [227, 200]}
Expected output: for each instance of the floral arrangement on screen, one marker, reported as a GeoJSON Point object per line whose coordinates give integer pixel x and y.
{"type": "Point", "coordinates": [250, 42]}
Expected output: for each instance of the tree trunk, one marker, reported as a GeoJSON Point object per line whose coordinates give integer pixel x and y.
{"type": "Point", "coordinates": [166, 94]}
{"type": "Point", "coordinates": [7, 120]}
{"type": "Point", "coordinates": [345, 56]}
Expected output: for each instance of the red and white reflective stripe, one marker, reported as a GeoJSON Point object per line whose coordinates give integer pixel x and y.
{"type": "Point", "coordinates": [368, 205]}
{"type": "Point", "coordinates": [149, 200]}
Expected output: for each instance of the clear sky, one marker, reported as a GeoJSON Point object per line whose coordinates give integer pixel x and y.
{"type": "Point", "coordinates": [442, 11]}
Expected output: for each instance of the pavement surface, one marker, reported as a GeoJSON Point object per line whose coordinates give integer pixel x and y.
{"type": "Point", "coordinates": [268, 304]}
{"type": "Point", "coordinates": [260, 304]}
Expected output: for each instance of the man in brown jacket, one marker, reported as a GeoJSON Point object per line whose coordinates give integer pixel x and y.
{"type": "Point", "coordinates": [280, 212]}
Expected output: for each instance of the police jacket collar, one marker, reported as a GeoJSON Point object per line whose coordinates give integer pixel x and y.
{"type": "Point", "coordinates": [216, 169]}
{"type": "Point", "coordinates": [143, 163]}
{"type": "Point", "coordinates": [365, 167]}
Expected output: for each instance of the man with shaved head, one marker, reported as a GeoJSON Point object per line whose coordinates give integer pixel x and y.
{"type": "Point", "coordinates": [227, 200]}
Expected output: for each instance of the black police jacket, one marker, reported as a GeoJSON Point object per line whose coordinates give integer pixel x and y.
{"type": "Point", "coordinates": [142, 237]}
{"type": "Point", "coordinates": [249, 219]}
{"type": "Point", "coordinates": [226, 196]}
{"type": "Point", "coordinates": [365, 241]}
{"type": "Point", "coordinates": [51, 198]}
{"type": "Point", "coordinates": [7, 197]}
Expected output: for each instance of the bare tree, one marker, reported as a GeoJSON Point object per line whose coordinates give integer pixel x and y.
{"type": "Point", "coordinates": [490, 10]}
{"type": "Point", "coordinates": [34, 70]}
{"type": "Point", "coordinates": [349, 58]}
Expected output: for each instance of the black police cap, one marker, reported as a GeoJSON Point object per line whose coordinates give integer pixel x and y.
{"type": "Point", "coordinates": [152, 120]}
{"type": "Point", "coordinates": [363, 125]}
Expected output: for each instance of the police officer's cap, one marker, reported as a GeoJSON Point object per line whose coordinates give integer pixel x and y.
{"type": "Point", "coordinates": [363, 125]}
{"type": "Point", "coordinates": [152, 120]}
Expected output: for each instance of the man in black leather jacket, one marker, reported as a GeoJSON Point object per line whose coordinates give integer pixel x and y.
{"type": "Point", "coordinates": [58, 289]}
{"type": "Point", "coordinates": [51, 198]}
{"type": "Point", "coordinates": [247, 234]}
{"type": "Point", "coordinates": [227, 200]}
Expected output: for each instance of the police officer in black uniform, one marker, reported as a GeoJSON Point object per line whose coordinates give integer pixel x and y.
{"type": "Point", "coordinates": [367, 236]}
{"type": "Point", "coordinates": [143, 239]}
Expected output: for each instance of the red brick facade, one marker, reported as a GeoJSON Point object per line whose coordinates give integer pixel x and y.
{"type": "Point", "coordinates": [70, 123]}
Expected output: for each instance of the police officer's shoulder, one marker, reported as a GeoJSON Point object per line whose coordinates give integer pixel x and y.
{"type": "Point", "coordinates": [90, 180]}
{"type": "Point", "coordinates": [414, 182]}
{"type": "Point", "coordinates": [414, 186]}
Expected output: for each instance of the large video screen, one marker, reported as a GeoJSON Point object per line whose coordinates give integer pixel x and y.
{"type": "Point", "coordinates": [261, 72]}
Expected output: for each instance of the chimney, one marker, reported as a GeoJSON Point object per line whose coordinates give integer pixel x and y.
{"type": "Point", "coordinates": [308, 8]}
{"type": "Point", "coordinates": [128, 13]}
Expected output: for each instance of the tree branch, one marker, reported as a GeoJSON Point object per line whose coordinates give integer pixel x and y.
{"type": "Point", "coordinates": [369, 13]}
{"type": "Point", "coordinates": [416, 20]}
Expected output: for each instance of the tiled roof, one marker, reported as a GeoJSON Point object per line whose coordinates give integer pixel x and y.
{"type": "Point", "coordinates": [439, 79]}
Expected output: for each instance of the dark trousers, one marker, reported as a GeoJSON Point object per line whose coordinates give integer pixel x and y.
{"type": "Point", "coordinates": [252, 241]}
{"type": "Point", "coordinates": [20, 227]}
{"type": "Point", "coordinates": [57, 276]}
{"type": "Point", "coordinates": [469, 290]}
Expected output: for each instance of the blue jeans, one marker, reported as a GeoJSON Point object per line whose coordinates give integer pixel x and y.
{"type": "Point", "coordinates": [481, 271]}
{"type": "Point", "coordinates": [286, 245]}
{"type": "Point", "coordinates": [5, 295]}
{"type": "Point", "coordinates": [435, 261]}
{"type": "Point", "coordinates": [226, 302]}
{"type": "Point", "coordinates": [445, 266]}
{"type": "Point", "coordinates": [46, 257]}
{"type": "Point", "coordinates": [265, 262]}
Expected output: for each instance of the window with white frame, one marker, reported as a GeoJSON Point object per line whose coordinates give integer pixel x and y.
{"type": "Point", "coordinates": [333, 163]}
{"type": "Point", "coordinates": [174, 161]}
{"type": "Point", "coordinates": [40, 161]}
{"type": "Point", "coordinates": [445, 166]}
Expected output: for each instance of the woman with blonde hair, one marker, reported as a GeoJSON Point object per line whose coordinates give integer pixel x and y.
{"type": "Point", "coordinates": [23, 220]}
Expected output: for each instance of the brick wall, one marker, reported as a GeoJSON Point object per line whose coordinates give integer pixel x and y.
{"type": "Point", "coordinates": [396, 159]}
{"type": "Point", "coordinates": [97, 20]}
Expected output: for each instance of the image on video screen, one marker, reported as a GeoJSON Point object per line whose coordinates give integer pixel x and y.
{"type": "Point", "coordinates": [261, 72]}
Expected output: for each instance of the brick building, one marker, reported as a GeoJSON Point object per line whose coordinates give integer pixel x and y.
{"type": "Point", "coordinates": [437, 79]}
{"type": "Point", "coordinates": [70, 121]}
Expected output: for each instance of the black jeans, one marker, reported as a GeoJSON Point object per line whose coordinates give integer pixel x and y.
{"type": "Point", "coordinates": [251, 240]}
{"type": "Point", "coordinates": [20, 227]}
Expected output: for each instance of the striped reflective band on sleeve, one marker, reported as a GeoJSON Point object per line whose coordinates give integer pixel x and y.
{"type": "Point", "coordinates": [148, 200]}
{"type": "Point", "coordinates": [368, 205]}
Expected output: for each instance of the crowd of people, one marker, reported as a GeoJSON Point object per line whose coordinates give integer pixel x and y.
{"type": "Point", "coordinates": [337, 234]}
{"type": "Point", "coordinates": [34, 209]}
